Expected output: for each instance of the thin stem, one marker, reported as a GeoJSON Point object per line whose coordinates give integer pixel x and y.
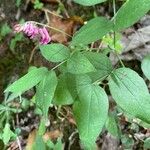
{"type": "Point", "coordinates": [32, 53]}
{"type": "Point", "coordinates": [58, 65]}
{"type": "Point", "coordinates": [47, 17]}
{"type": "Point", "coordinates": [114, 21]}
{"type": "Point", "coordinates": [114, 9]}
{"type": "Point", "coordinates": [50, 12]}
{"type": "Point", "coordinates": [100, 80]}
{"type": "Point", "coordinates": [99, 48]}
{"type": "Point", "coordinates": [19, 144]}
{"type": "Point", "coordinates": [120, 60]}
{"type": "Point", "coordinates": [50, 27]}
{"type": "Point", "coordinates": [117, 56]}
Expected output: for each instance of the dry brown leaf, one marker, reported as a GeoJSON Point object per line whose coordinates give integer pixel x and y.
{"type": "Point", "coordinates": [65, 25]}
{"type": "Point", "coordinates": [52, 135]}
{"type": "Point", "coordinates": [72, 121]}
{"type": "Point", "coordinates": [31, 139]}
{"type": "Point", "coordinates": [77, 20]}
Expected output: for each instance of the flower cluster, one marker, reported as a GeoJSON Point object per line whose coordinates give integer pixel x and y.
{"type": "Point", "coordinates": [33, 31]}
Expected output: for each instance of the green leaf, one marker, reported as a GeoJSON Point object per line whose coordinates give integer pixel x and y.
{"type": "Point", "coordinates": [82, 81]}
{"type": "Point", "coordinates": [90, 112]}
{"type": "Point", "coordinates": [28, 81]}
{"type": "Point", "coordinates": [5, 29]}
{"type": "Point", "coordinates": [130, 92]}
{"type": "Point", "coordinates": [101, 63]}
{"type": "Point", "coordinates": [147, 143]}
{"type": "Point", "coordinates": [38, 4]}
{"type": "Point", "coordinates": [130, 13]}
{"type": "Point", "coordinates": [146, 66]}
{"type": "Point", "coordinates": [18, 37]}
{"type": "Point", "coordinates": [62, 94]}
{"type": "Point", "coordinates": [111, 125]}
{"type": "Point", "coordinates": [3, 107]}
{"type": "Point", "coordinates": [42, 127]}
{"type": "Point", "coordinates": [55, 52]}
{"type": "Point", "coordinates": [45, 91]}
{"type": "Point", "coordinates": [39, 143]}
{"type": "Point", "coordinates": [12, 97]}
{"type": "Point", "coordinates": [18, 3]}
{"type": "Point", "coordinates": [59, 145]}
{"type": "Point", "coordinates": [79, 64]}
{"type": "Point", "coordinates": [50, 144]}
{"type": "Point", "coordinates": [7, 134]}
{"type": "Point", "coordinates": [94, 30]}
{"type": "Point", "coordinates": [143, 124]}
{"type": "Point", "coordinates": [88, 2]}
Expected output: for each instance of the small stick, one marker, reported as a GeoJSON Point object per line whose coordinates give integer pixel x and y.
{"type": "Point", "coordinates": [50, 12]}
{"type": "Point", "coordinates": [19, 144]}
{"type": "Point", "coordinates": [32, 53]}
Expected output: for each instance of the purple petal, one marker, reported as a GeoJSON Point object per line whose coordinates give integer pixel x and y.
{"type": "Point", "coordinates": [47, 37]}
{"type": "Point", "coordinates": [29, 29]}
{"type": "Point", "coordinates": [35, 32]}
{"type": "Point", "coordinates": [42, 40]}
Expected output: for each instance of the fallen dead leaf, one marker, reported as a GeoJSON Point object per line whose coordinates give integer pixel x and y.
{"type": "Point", "coordinates": [64, 26]}
{"type": "Point", "coordinates": [67, 26]}
{"type": "Point", "coordinates": [52, 135]}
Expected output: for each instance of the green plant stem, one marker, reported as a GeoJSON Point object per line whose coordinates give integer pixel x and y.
{"type": "Point", "coordinates": [114, 21]}
{"type": "Point", "coordinates": [58, 65]}
{"type": "Point", "coordinates": [100, 80]}
{"type": "Point", "coordinates": [120, 60]}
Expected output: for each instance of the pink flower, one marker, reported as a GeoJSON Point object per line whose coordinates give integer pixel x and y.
{"type": "Point", "coordinates": [33, 31]}
{"type": "Point", "coordinates": [18, 28]}
{"type": "Point", "coordinates": [45, 38]}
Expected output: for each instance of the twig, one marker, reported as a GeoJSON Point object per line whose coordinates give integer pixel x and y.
{"type": "Point", "coordinates": [92, 45]}
{"type": "Point", "coordinates": [19, 144]}
{"type": "Point", "coordinates": [100, 45]}
{"type": "Point", "coordinates": [32, 53]}
{"type": "Point", "coordinates": [50, 12]}
{"type": "Point", "coordinates": [47, 17]}
{"type": "Point", "coordinates": [58, 65]}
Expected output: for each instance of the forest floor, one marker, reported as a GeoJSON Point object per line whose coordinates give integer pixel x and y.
{"type": "Point", "coordinates": [17, 55]}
